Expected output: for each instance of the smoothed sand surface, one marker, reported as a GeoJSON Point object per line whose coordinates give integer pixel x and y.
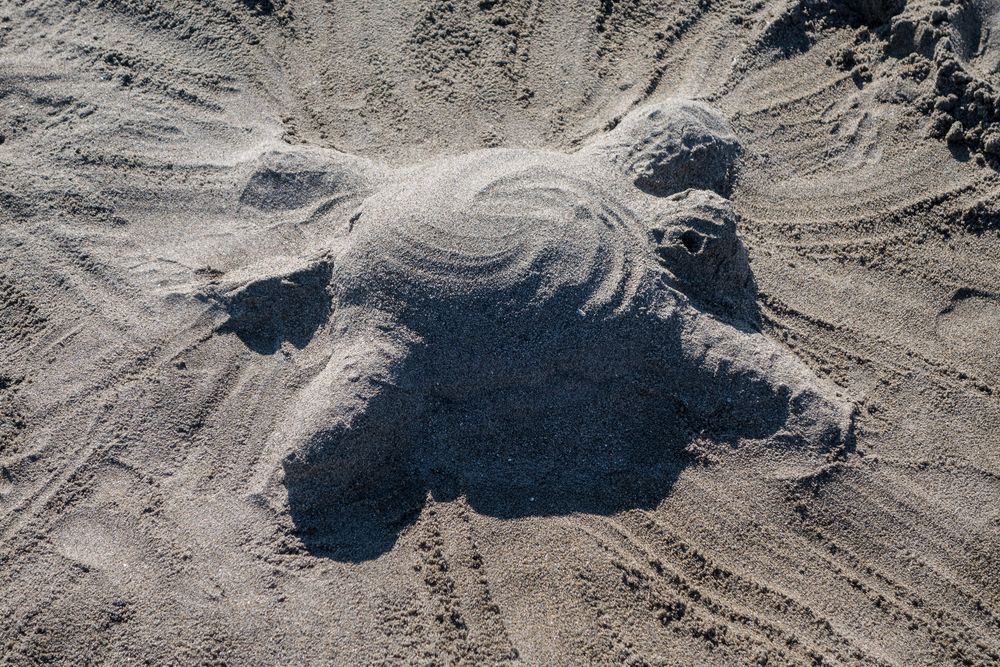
{"type": "Point", "coordinates": [510, 331]}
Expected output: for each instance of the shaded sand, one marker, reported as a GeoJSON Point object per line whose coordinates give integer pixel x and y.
{"type": "Point", "coordinates": [470, 333]}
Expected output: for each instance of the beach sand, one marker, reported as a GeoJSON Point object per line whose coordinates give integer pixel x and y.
{"type": "Point", "coordinates": [493, 332]}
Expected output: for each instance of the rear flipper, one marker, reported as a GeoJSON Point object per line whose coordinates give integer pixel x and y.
{"type": "Point", "coordinates": [339, 455]}
{"type": "Point", "coordinates": [344, 433]}
{"type": "Point", "coordinates": [346, 468]}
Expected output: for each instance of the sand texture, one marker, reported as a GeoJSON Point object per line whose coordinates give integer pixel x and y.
{"type": "Point", "coordinates": [458, 333]}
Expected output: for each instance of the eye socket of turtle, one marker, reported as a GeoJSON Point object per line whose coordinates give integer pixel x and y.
{"type": "Point", "coordinates": [695, 252]}
{"type": "Point", "coordinates": [698, 245]}
{"type": "Point", "coordinates": [693, 241]}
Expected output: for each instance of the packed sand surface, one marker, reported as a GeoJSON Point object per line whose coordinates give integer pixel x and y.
{"type": "Point", "coordinates": [549, 333]}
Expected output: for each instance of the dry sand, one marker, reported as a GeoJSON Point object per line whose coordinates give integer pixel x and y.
{"type": "Point", "coordinates": [479, 332]}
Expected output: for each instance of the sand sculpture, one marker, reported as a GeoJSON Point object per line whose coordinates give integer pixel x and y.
{"type": "Point", "coordinates": [541, 332]}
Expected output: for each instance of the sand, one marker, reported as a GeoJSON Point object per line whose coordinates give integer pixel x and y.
{"type": "Point", "coordinates": [499, 332]}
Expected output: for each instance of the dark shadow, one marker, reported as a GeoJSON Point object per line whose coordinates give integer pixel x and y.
{"type": "Point", "coordinates": [534, 418]}
{"type": "Point", "coordinates": [967, 29]}
{"type": "Point", "coordinates": [353, 529]}
{"type": "Point", "coordinates": [263, 7]}
{"type": "Point", "coordinates": [266, 313]}
{"type": "Point", "coordinates": [794, 31]}
{"type": "Point", "coordinates": [959, 151]}
{"type": "Point", "coordinates": [965, 294]}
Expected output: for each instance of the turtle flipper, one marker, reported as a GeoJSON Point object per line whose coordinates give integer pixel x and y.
{"type": "Point", "coordinates": [670, 146]}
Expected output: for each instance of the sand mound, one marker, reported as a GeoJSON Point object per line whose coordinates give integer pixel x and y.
{"type": "Point", "coordinates": [531, 330]}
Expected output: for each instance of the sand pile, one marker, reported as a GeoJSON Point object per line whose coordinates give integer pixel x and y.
{"type": "Point", "coordinates": [528, 330]}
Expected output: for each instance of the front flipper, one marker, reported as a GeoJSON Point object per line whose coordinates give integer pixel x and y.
{"type": "Point", "coordinates": [670, 146]}
{"type": "Point", "coordinates": [289, 179]}
{"type": "Point", "coordinates": [742, 389]}
{"type": "Point", "coordinates": [286, 301]}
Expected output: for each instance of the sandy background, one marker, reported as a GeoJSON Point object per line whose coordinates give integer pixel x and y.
{"type": "Point", "coordinates": [132, 432]}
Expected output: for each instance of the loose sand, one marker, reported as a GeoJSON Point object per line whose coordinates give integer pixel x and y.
{"type": "Point", "coordinates": [504, 331]}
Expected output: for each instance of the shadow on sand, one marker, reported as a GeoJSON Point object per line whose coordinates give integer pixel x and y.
{"type": "Point", "coordinates": [592, 418]}
{"type": "Point", "coordinates": [287, 308]}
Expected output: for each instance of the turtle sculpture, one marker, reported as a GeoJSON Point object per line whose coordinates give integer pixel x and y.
{"type": "Point", "coordinates": [539, 332]}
